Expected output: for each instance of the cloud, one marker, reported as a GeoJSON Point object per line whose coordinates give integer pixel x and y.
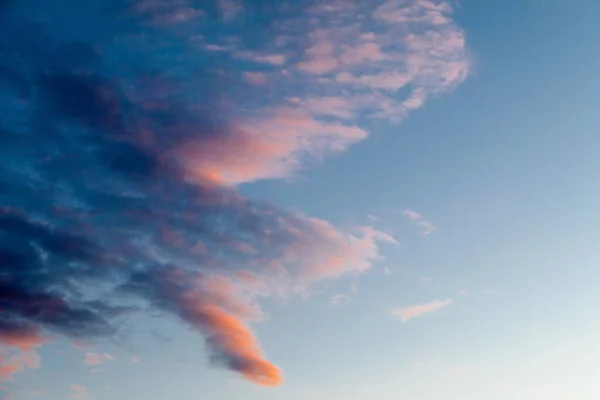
{"type": "Point", "coordinates": [96, 359]}
{"type": "Point", "coordinates": [13, 361]}
{"type": "Point", "coordinates": [336, 299]}
{"type": "Point", "coordinates": [417, 310]}
{"type": "Point", "coordinates": [426, 226]}
{"type": "Point", "coordinates": [427, 11]}
{"type": "Point", "coordinates": [79, 392]}
{"type": "Point", "coordinates": [126, 143]}
{"type": "Point", "coordinates": [269, 147]}
{"type": "Point", "coordinates": [214, 306]}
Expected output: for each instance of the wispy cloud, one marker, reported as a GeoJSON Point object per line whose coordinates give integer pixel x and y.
{"type": "Point", "coordinates": [407, 313]}
{"type": "Point", "coordinates": [336, 299]}
{"type": "Point", "coordinates": [425, 225]}
{"type": "Point", "coordinates": [401, 55]}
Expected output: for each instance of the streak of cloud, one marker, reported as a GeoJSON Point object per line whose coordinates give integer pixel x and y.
{"type": "Point", "coordinates": [407, 313]}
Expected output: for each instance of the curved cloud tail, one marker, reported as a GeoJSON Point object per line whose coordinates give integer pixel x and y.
{"type": "Point", "coordinates": [215, 307]}
{"type": "Point", "coordinates": [235, 346]}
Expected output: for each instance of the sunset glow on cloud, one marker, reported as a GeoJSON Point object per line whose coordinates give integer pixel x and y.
{"type": "Point", "coordinates": [188, 188]}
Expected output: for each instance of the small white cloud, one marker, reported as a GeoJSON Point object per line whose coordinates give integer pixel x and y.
{"type": "Point", "coordinates": [417, 310]}
{"type": "Point", "coordinates": [338, 298]}
{"type": "Point", "coordinates": [425, 225]}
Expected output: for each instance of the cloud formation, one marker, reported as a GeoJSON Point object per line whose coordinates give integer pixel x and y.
{"type": "Point", "coordinates": [409, 312]}
{"type": "Point", "coordinates": [126, 138]}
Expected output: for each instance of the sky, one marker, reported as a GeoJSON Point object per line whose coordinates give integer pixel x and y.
{"type": "Point", "coordinates": [308, 200]}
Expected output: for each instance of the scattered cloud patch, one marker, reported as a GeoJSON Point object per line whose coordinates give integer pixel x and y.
{"type": "Point", "coordinates": [426, 227]}
{"type": "Point", "coordinates": [97, 359]}
{"type": "Point", "coordinates": [13, 361]}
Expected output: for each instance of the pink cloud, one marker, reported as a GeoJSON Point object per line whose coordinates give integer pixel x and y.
{"type": "Point", "coordinates": [318, 66]}
{"type": "Point", "coordinates": [319, 58]}
{"type": "Point", "coordinates": [13, 361]}
{"type": "Point", "coordinates": [412, 45]}
{"type": "Point", "coordinates": [336, 253]}
{"type": "Point", "coordinates": [417, 310]}
{"type": "Point", "coordinates": [266, 148]}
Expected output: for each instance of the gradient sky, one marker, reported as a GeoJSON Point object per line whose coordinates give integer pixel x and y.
{"type": "Point", "coordinates": [308, 200]}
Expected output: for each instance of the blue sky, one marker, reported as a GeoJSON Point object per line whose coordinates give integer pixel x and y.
{"type": "Point", "coordinates": [309, 200]}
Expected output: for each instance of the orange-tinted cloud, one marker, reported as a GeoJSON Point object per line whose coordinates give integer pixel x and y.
{"type": "Point", "coordinates": [267, 148]}
{"type": "Point", "coordinates": [219, 308]}
{"type": "Point", "coordinates": [234, 344]}
{"type": "Point", "coordinates": [17, 349]}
